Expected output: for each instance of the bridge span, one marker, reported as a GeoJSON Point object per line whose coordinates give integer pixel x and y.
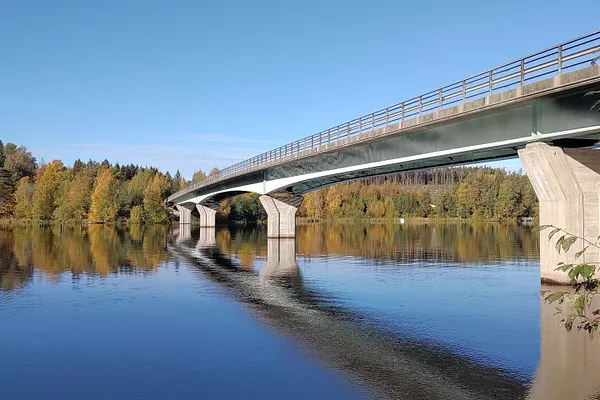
{"type": "Point", "coordinates": [534, 108]}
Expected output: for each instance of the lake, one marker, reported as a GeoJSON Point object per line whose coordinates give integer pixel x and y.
{"type": "Point", "coordinates": [344, 311]}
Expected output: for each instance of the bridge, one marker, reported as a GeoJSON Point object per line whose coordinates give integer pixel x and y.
{"type": "Point", "coordinates": [534, 108]}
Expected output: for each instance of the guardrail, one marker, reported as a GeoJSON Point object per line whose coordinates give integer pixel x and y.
{"type": "Point", "coordinates": [544, 64]}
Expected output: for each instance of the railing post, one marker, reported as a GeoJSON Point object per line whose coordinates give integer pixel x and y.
{"type": "Point", "coordinates": [420, 105]}
{"type": "Point", "coordinates": [348, 126]}
{"type": "Point", "coordinates": [441, 100]}
{"type": "Point", "coordinates": [560, 60]}
{"type": "Point", "coordinates": [464, 91]}
{"type": "Point", "coordinates": [372, 121]}
{"type": "Point", "coordinates": [360, 125]}
{"type": "Point", "coordinates": [338, 133]}
{"type": "Point", "coordinates": [402, 111]}
{"type": "Point", "coordinates": [387, 116]}
{"type": "Point", "coordinates": [522, 72]}
{"type": "Point", "coordinates": [329, 135]}
{"type": "Point", "coordinates": [491, 81]}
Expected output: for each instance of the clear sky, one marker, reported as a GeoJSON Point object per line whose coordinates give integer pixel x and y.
{"type": "Point", "coordinates": [188, 84]}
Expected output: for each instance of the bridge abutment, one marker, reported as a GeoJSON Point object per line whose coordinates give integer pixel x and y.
{"type": "Point", "coordinates": [207, 215]}
{"type": "Point", "coordinates": [281, 215]}
{"type": "Point", "coordinates": [567, 183]}
{"type": "Point", "coordinates": [185, 213]}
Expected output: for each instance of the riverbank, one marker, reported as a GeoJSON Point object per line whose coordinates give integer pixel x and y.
{"type": "Point", "coordinates": [10, 222]}
{"type": "Point", "coordinates": [312, 220]}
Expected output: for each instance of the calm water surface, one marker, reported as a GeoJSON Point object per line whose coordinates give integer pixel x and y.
{"type": "Point", "coordinates": [348, 311]}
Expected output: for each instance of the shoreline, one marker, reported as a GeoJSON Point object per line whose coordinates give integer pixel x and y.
{"type": "Point", "coordinates": [299, 221]}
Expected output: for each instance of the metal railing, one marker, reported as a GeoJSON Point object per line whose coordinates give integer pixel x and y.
{"type": "Point", "coordinates": [554, 61]}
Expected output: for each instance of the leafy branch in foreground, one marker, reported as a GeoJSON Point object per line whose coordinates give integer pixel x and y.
{"type": "Point", "coordinates": [584, 282]}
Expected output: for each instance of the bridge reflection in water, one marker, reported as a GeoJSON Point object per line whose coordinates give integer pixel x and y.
{"type": "Point", "coordinates": [393, 367]}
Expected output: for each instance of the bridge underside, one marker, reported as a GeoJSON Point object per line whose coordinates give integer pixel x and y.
{"type": "Point", "coordinates": [564, 121]}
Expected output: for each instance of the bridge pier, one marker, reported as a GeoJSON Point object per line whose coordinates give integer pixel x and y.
{"type": "Point", "coordinates": [567, 183]}
{"type": "Point", "coordinates": [207, 214]}
{"type": "Point", "coordinates": [185, 213]}
{"type": "Point", "coordinates": [281, 215]}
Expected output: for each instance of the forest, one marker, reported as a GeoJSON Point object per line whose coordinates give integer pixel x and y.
{"type": "Point", "coordinates": [101, 192]}
{"type": "Point", "coordinates": [481, 193]}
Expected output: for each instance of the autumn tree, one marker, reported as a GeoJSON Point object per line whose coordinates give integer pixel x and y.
{"type": "Point", "coordinates": [314, 204]}
{"type": "Point", "coordinates": [137, 215]}
{"type": "Point", "coordinates": [214, 171]}
{"type": "Point", "coordinates": [7, 188]}
{"type": "Point", "coordinates": [24, 198]}
{"type": "Point", "coordinates": [507, 203]}
{"type": "Point", "coordinates": [138, 186]}
{"type": "Point", "coordinates": [154, 208]}
{"type": "Point", "coordinates": [46, 187]}
{"type": "Point", "coordinates": [198, 176]}
{"type": "Point", "coordinates": [105, 197]}
{"type": "Point", "coordinates": [74, 204]}
{"type": "Point", "coordinates": [19, 161]}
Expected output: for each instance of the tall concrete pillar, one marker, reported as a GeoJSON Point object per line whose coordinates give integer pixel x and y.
{"type": "Point", "coordinates": [185, 213]}
{"type": "Point", "coordinates": [281, 215]}
{"type": "Point", "coordinates": [207, 214]}
{"type": "Point", "coordinates": [566, 182]}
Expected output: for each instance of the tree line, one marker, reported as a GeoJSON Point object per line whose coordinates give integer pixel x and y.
{"type": "Point", "coordinates": [466, 192]}
{"type": "Point", "coordinates": [99, 192]}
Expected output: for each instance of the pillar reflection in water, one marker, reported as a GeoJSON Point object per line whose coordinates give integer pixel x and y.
{"type": "Point", "coordinates": [206, 238]}
{"type": "Point", "coordinates": [569, 366]}
{"type": "Point", "coordinates": [182, 232]}
{"type": "Point", "coordinates": [281, 259]}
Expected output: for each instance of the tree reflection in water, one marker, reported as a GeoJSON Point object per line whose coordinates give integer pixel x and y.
{"type": "Point", "coordinates": [95, 250]}
{"type": "Point", "coordinates": [569, 365]}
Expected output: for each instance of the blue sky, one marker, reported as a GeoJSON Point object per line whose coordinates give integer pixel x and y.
{"type": "Point", "coordinates": [196, 84]}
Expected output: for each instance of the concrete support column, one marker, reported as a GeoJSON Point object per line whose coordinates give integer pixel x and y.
{"type": "Point", "coordinates": [281, 215]}
{"type": "Point", "coordinates": [185, 213]}
{"type": "Point", "coordinates": [566, 182]}
{"type": "Point", "coordinates": [207, 214]}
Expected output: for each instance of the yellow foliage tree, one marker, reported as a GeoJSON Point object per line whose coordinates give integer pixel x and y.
{"type": "Point", "coordinates": [105, 198]}
{"type": "Point", "coordinates": [75, 203]}
{"type": "Point", "coordinates": [154, 208]}
{"type": "Point", "coordinates": [46, 186]}
{"type": "Point", "coordinates": [24, 199]}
